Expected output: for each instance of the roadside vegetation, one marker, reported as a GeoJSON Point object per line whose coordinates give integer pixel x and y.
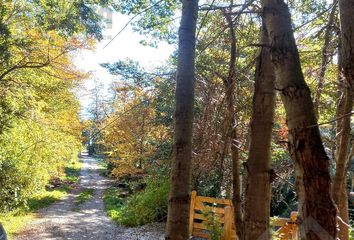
{"type": "Point", "coordinates": [40, 128]}
{"type": "Point", "coordinates": [138, 208]}
{"type": "Point", "coordinates": [14, 221]}
{"type": "Point", "coordinates": [224, 142]}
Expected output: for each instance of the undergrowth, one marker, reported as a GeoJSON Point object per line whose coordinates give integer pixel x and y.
{"type": "Point", "coordinates": [146, 206]}
{"type": "Point", "coordinates": [72, 172]}
{"type": "Point", "coordinates": [16, 220]}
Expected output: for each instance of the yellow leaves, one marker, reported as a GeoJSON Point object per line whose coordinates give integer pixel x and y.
{"type": "Point", "coordinates": [123, 169]}
{"type": "Point", "coordinates": [133, 136]}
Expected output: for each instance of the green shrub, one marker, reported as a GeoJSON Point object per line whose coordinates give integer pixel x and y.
{"type": "Point", "coordinates": [113, 203]}
{"type": "Point", "coordinates": [149, 205]}
{"type": "Point", "coordinates": [30, 155]}
{"type": "Point", "coordinates": [213, 225]}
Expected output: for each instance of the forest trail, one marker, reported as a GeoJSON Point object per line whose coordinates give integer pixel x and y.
{"type": "Point", "coordinates": [67, 220]}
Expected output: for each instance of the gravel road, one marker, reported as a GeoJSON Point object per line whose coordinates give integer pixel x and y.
{"type": "Point", "coordinates": [64, 220]}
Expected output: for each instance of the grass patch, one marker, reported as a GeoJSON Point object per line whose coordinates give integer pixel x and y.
{"type": "Point", "coordinates": [16, 221]}
{"type": "Point", "coordinates": [45, 199]}
{"type": "Point", "coordinates": [113, 203]}
{"type": "Point", "coordinates": [72, 172]}
{"type": "Point", "coordinates": [85, 195]}
{"type": "Point", "coordinates": [149, 205]}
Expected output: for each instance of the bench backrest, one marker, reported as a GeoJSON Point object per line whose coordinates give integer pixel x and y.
{"type": "Point", "coordinates": [222, 210]}
{"type": "Point", "coordinates": [288, 228]}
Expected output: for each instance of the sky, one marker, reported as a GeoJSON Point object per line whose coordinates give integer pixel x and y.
{"type": "Point", "coordinates": [125, 46]}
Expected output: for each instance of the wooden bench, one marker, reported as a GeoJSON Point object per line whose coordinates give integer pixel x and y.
{"type": "Point", "coordinates": [222, 209]}
{"type": "Point", "coordinates": [287, 227]}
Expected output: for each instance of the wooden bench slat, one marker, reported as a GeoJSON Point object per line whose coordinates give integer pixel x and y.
{"type": "Point", "coordinates": [199, 206]}
{"type": "Point", "coordinates": [279, 222]}
{"type": "Point", "coordinates": [199, 226]}
{"type": "Point", "coordinates": [214, 200]}
{"type": "Point", "coordinates": [198, 233]}
{"type": "Point", "coordinates": [202, 217]}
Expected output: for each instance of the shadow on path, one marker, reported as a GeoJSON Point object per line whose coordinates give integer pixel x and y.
{"type": "Point", "coordinates": [66, 220]}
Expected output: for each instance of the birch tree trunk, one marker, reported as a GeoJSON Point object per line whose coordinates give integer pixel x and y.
{"type": "Point", "coordinates": [258, 188]}
{"type": "Point", "coordinates": [179, 198]}
{"type": "Point", "coordinates": [317, 211]}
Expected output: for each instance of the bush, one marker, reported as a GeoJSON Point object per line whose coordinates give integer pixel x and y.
{"type": "Point", "coordinates": [149, 205]}
{"type": "Point", "coordinates": [29, 158]}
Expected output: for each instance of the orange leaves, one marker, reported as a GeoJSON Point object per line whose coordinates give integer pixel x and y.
{"type": "Point", "coordinates": [132, 136]}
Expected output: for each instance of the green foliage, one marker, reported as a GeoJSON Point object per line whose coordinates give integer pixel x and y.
{"type": "Point", "coordinates": [155, 18]}
{"type": "Point", "coordinates": [46, 198]}
{"type": "Point", "coordinates": [72, 172]}
{"type": "Point", "coordinates": [16, 220]}
{"type": "Point", "coordinates": [209, 185]}
{"type": "Point", "coordinates": [39, 126]}
{"type": "Point", "coordinates": [29, 157]}
{"type": "Point", "coordinates": [213, 225]}
{"type": "Point", "coordinates": [113, 203]}
{"type": "Point", "coordinates": [149, 205]}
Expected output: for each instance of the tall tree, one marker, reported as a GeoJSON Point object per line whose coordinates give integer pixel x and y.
{"type": "Point", "coordinates": [178, 207]}
{"type": "Point", "coordinates": [229, 84]}
{"type": "Point", "coordinates": [343, 136]}
{"type": "Point", "coordinates": [326, 55]}
{"type": "Point", "coordinates": [317, 210]}
{"type": "Point", "coordinates": [257, 200]}
{"type": "Point", "coordinates": [346, 10]}
{"type": "Point", "coordinates": [345, 106]}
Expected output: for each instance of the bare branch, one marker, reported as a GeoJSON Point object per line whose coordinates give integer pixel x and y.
{"type": "Point", "coordinates": [207, 7]}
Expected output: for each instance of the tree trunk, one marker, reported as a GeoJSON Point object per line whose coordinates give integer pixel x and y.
{"type": "Point", "coordinates": [339, 187]}
{"type": "Point", "coordinates": [258, 196]}
{"type": "Point", "coordinates": [229, 84]}
{"type": "Point", "coordinates": [327, 54]}
{"type": "Point", "coordinates": [346, 10]}
{"type": "Point", "coordinates": [179, 199]}
{"type": "Point", "coordinates": [345, 106]}
{"type": "Point", "coordinates": [317, 211]}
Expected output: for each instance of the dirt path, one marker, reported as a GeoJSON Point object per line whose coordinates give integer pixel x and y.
{"type": "Point", "coordinates": [64, 220]}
